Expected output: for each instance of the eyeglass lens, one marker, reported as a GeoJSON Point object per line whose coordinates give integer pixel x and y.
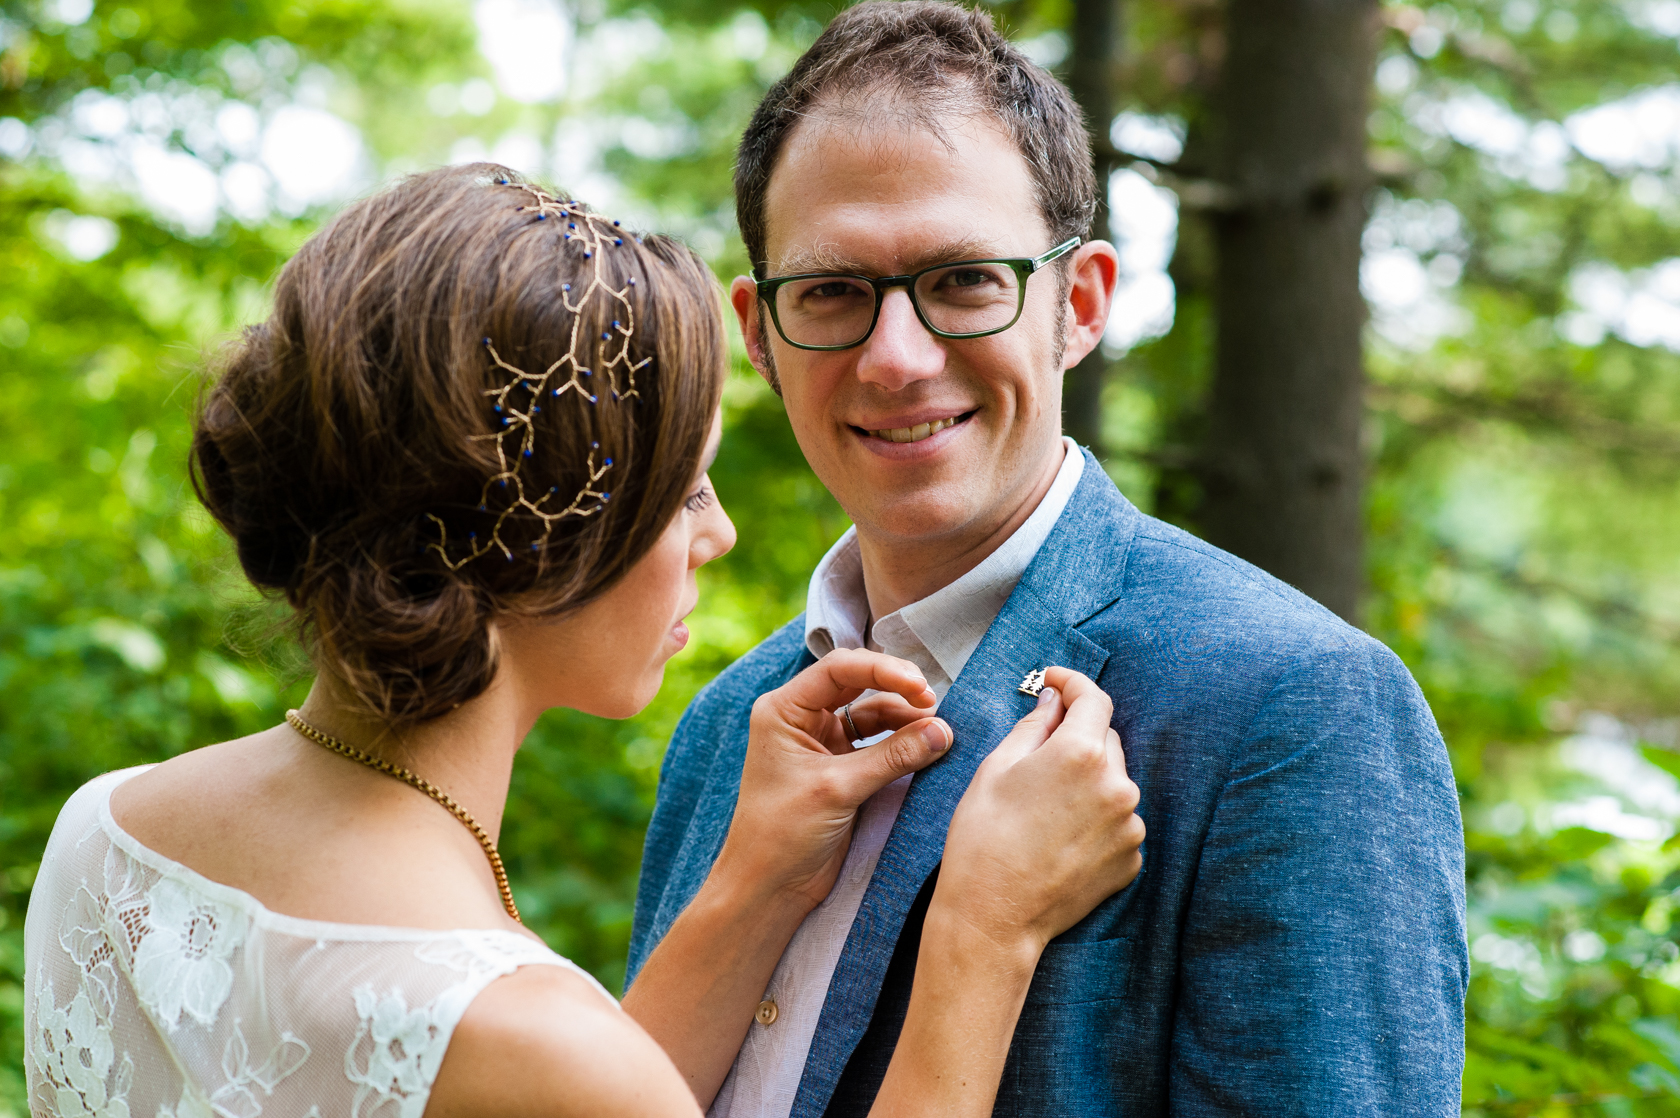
{"type": "Point", "coordinates": [837, 310]}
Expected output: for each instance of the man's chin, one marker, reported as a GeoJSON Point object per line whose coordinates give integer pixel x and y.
{"type": "Point", "coordinates": [921, 515]}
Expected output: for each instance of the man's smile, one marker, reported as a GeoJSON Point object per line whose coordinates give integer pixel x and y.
{"type": "Point", "coordinates": [912, 432]}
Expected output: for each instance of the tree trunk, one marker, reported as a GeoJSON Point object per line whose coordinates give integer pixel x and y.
{"type": "Point", "coordinates": [1282, 466]}
{"type": "Point", "coordinates": [1093, 76]}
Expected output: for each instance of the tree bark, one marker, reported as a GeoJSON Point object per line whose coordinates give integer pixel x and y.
{"type": "Point", "coordinates": [1282, 467]}
{"type": "Point", "coordinates": [1093, 76]}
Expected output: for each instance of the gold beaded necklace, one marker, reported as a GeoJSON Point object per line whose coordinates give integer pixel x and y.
{"type": "Point", "coordinates": [295, 720]}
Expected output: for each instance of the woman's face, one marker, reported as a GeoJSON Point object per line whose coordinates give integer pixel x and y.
{"type": "Point", "coordinates": [608, 658]}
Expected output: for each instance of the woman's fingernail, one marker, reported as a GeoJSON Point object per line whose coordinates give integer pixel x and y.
{"type": "Point", "coordinates": [937, 736]}
{"type": "Point", "coordinates": [1048, 695]}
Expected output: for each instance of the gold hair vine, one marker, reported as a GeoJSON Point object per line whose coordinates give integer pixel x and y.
{"type": "Point", "coordinates": [593, 234]}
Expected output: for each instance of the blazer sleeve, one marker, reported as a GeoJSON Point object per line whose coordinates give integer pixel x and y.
{"type": "Point", "coordinates": [682, 777]}
{"type": "Point", "coordinates": [1324, 965]}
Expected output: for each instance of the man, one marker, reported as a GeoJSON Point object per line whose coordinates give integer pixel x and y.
{"type": "Point", "coordinates": [1295, 943]}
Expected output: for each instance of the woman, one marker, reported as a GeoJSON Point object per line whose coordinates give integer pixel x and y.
{"type": "Point", "coordinates": [469, 447]}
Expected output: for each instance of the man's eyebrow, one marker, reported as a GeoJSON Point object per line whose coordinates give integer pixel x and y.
{"type": "Point", "coordinates": [825, 258]}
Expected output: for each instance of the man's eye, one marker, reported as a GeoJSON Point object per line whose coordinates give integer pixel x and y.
{"type": "Point", "coordinates": [832, 289]}
{"type": "Point", "coordinates": [965, 277]}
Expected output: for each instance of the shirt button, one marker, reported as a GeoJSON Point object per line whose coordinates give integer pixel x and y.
{"type": "Point", "coordinates": [766, 1014]}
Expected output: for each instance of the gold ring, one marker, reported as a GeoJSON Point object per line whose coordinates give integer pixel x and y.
{"type": "Point", "coordinates": [846, 714]}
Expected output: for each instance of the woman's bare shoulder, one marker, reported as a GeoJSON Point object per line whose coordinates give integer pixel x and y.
{"type": "Point", "coordinates": [543, 1041]}
{"type": "Point", "coordinates": [297, 827]}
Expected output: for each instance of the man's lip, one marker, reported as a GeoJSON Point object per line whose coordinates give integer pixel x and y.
{"type": "Point", "coordinates": [921, 450]}
{"type": "Point", "coordinates": [914, 419]}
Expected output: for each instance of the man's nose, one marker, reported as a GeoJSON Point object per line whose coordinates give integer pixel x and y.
{"type": "Point", "coordinates": [900, 351]}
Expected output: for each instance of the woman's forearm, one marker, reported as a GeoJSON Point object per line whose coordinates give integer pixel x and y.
{"type": "Point", "coordinates": [698, 990]}
{"type": "Point", "coordinates": [967, 996]}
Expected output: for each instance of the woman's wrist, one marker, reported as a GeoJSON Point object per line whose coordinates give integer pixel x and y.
{"type": "Point", "coordinates": [747, 886]}
{"type": "Point", "coordinates": [1003, 946]}
{"type": "Point", "coordinates": [972, 977]}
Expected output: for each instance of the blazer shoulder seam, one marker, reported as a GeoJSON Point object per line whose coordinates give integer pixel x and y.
{"type": "Point", "coordinates": [1294, 663]}
{"type": "Point", "coordinates": [1215, 556]}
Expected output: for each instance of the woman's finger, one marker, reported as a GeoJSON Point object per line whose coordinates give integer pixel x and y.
{"type": "Point", "coordinates": [864, 772]}
{"type": "Point", "coordinates": [1030, 732]}
{"type": "Point", "coordinates": [846, 673]}
{"type": "Point", "coordinates": [1089, 709]}
{"type": "Point", "coordinates": [878, 713]}
{"type": "Point", "coordinates": [1116, 753]}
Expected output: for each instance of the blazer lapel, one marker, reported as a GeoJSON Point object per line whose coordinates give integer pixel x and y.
{"type": "Point", "coordinates": [1077, 572]}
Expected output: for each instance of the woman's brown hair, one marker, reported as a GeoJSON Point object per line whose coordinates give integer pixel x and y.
{"type": "Point", "coordinates": [348, 442]}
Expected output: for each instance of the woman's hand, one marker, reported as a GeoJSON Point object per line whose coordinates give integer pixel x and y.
{"type": "Point", "coordinates": [1047, 829]}
{"type": "Point", "coordinates": [803, 781]}
{"type": "Point", "coordinates": [801, 787]}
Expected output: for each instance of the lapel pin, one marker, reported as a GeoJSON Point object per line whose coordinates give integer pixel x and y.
{"type": "Point", "coordinates": [1033, 683]}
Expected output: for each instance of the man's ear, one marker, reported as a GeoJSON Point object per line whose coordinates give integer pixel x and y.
{"type": "Point", "coordinates": [743, 296]}
{"type": "Point", "coordinates": [1095, 273]}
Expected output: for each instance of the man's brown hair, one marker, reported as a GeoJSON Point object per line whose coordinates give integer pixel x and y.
{"type": "Point", "coordinates": [350, 430]}
{"type": "Point", "coordinates": [922, 58]}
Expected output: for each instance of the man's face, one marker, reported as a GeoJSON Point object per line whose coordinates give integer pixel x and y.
{"type": "Point", "coordinates": [874, 200]}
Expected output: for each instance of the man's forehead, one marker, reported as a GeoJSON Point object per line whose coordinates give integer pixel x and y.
{"type": "Point", "coordinates": [890, 194]}
{"type": "Point", "coordinates": [830, 257]}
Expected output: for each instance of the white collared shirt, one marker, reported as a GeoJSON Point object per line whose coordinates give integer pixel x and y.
{"type": "Point", "coordinates": [938, 634]}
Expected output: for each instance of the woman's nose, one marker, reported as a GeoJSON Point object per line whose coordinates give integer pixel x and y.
{"type": "Point", "coordinates": [716, 536]}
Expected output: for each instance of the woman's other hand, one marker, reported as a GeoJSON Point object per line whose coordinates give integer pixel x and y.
{"type": "Point", "coordinates": [801, 787]}
{"type": "Point", "coordinates": [803, 780]}
{"type": "Point", "coordinates": [1047, 829]}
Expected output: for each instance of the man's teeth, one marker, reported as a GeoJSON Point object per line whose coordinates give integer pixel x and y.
{"type": "Point", "coordinates": [914, 434]}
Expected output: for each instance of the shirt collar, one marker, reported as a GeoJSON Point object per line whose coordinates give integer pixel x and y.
{"type": "Point", "coordinates": [941, 631]}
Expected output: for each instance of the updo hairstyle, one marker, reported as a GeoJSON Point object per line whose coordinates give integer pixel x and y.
{"type": "Point", "coordinates": [363, 408]}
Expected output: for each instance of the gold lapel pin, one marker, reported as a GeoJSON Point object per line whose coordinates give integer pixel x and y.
{"type": "Point", "coordinates": [1033, 683]}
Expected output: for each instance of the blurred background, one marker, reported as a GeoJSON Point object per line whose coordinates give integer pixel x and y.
{"type": "Point", "coordinates": [1483, 469]}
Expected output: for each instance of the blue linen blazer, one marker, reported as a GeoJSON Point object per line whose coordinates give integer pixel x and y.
{"type": "Point", "coordinates": [1295, 943]}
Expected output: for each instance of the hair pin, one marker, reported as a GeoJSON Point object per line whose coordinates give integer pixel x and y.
{"type": "Point", "coordinates": [568, 371]}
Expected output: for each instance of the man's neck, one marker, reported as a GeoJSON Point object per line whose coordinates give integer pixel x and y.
{"type": "Point", "coordinates": [898, 572]}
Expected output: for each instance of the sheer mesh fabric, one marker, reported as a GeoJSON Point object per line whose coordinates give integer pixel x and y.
{"type": "Point", "coordinates": [153, 992]}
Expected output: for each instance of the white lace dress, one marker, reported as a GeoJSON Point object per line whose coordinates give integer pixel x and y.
{"type": "Point", "coordinates": [153, 992]}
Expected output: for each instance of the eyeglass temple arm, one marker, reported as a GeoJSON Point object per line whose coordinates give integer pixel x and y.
{"type": "Point", "coordinates": [1056, 253]}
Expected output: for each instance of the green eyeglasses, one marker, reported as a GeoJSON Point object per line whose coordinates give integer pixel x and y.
{"type": "Point", "coordinates": [968, 299]}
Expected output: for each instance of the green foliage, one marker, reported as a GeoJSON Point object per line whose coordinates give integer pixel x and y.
{"type": "Point", "coordinates": [1522, 503]}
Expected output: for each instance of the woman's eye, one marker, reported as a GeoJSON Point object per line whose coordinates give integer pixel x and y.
{"type": "Point", "coordinates": [700, 499]}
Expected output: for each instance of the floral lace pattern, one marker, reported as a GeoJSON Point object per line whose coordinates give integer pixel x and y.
{"type": "Point", "coordinates": [396, 1054]}
{"type": "Point", "coordinates": [73, 1048]}
{"type": "Point", "coordinates": [239, 1093]}
{"type": "Point", "coordinates": [151, 992]}
{"type": "Point", "coordinates": [181, 963]}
